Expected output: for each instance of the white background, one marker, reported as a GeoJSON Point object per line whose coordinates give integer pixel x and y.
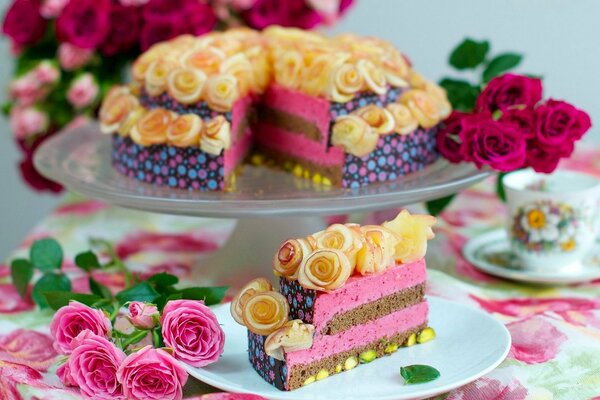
{"type": "Point", "coordinates": [560, 38]}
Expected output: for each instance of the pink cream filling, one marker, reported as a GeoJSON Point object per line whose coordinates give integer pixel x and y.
{"type": "Point", "coordinates": [361, 335]}
{"type": "Point", "coordinates": [359, 290]}
{"type": "Point", "coordinates": [239, 145]}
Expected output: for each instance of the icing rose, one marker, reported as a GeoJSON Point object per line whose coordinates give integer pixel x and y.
{"type": "Point", "coordinates": [141, 64]}
{"type": "Point", "coordinates": [413, 232]}
{"type": "Point", "coordinates": [265, 312]}
{"type": "Point", "coordinates": [292, 336]}
{"type": "Point", "coordinates": [438, 95]}
{"type": "Point", "coordinates": [217, 136]}
{"type": "Point", "coordinates": [185, 85]}
{"type": "Point", "coordinates": [152, 127]}
{"type": "Point", "coordinates": [354, 135]}
{"type": "Point", "coordinates": [221, 92]}
{"type": "Point", "coordinates": [157, 75]}
{"type": "Point", "coordinates": [239, 66]}
{"type": "Point", "coordinates": [378, 251]}
{"type": "Point", "coordinates": [261, 71]}
{"type": "Point", "coordinates": [316, 75]}
{"type": "Point", "coordinates": [207, 59]}
{"type": "Point", "coordinates": [380, 119]}
{"type": "Point", "coordinates": [373, 76]}
{"type": "Point", "coordinates": [288, 258]}
{"type": "Point", "coordinates": [346, 81]}
{"type": "Point", "coordinates": [395, 68]}
{"type": "Point", "coordinates": [131, 120]}
{"type": "Point", "coordinates": [185, 131]}
{"type": "Point", "coordinates": [339, 237]}
{"type": "Point", "coordinates": [421, 106]}
{"type": "Point", "coordinates": [71, 320]}
{"type": "Point", "coordinates": [405, 121]}
{"type": "Point", "coordinates": [258, 285]}
{"type": "Point", "coordinates": [115, 110]}
{"type": "Point", "coordinates": [325, 270]}
{"type": "Point", "coordinates": [288, 69]}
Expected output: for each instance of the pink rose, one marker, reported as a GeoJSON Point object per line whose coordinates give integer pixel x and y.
{"type": "Point", "coordinates": [71, 57]}
{"type": "Point", "coordinates": [487, 142]}
{"type": "Point", "coordinates": [27, 122]}
{"type": "Point", "coordinates": [191, 329]}
{"type": "Point", "coordinates": [143, 315]}
{"type": "Point", "coordinates": [282, 12]}
{"type": "Point", "coordinates": [169, 18]}
{"type": "Point", "coordinates": [84, 23]}
{"type": "Point", "coordinates": [200, 18]}
{"type": "Point", "coordinates": [559, 124]}
{"type": "Point", "coordinates": [448, 143]}
{"type": "Point", "coordinates": [71, 320]}
{"type": "Point", "coordinates": [23, 23]}
{"type": "Point", "coordinates": [522, 119]}
{"type": "Point", "coordinates": [509, 90]}
{"type": "Point", "coordinates": [52, 8]}
{"type": "Point", "coordinates": [93, 366]}
{"type": "Point", "coordinates": [83, 91]}
{"type": "Point", "coordinates": [124, 29]}
{"type": "Point", "coordinates": [239, 5]}
{"type": "Point", "coordinates": [26, 90]}
{"type": "Point", "coordinates": [46, 73]}
{"type": "Point", "coordinates": [64, 374]}
{"type": "Point", "coordinates": [158, 31]}
{"type": "Point", "coordinates": [135, 3]}
{"type": "Point", "coordinates": [151, 374]}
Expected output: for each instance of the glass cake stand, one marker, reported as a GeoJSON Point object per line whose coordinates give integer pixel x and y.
{"type": "Point", "coordinates": [80, 160]}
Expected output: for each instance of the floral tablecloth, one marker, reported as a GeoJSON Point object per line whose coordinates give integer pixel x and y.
{"type": "Point", "coordinates": [555, 330]}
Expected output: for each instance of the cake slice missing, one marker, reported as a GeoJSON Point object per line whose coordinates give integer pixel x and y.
{"type": "Point", "coordinates": [347, 295]}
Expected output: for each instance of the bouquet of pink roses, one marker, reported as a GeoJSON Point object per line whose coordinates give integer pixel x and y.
{"type": "Point", "coordinates": [69, 52]}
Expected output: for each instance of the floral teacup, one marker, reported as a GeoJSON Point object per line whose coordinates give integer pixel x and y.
{"type": "Point", "coordinates": [553, 219]}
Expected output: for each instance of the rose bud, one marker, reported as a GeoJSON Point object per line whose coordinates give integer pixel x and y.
{"type": "Point", "coordinates": [143, 315]}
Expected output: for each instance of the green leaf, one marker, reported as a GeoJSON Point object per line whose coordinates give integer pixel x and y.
{"type": "Point", "coordinates": [500, 187]}
{"type": "Point", "coordinates": [210, 295]}
{"type": "Point", "coordinates": [501, 63]}
{"type": "Point", "coordinates": [99, 289]}
{"type": "Point", "coordinates": [419, 374]}
{"type": "Point", "coordinates": [163, 299]}
{"type": "Point", "coordinates": [163, 279]}
{"type": "Point", "coordinates": [87, 261]}
{"type": "Point", "coordinates": [469, 54]}
{"type": "Point", "coordinates": [50, 282]}
{"type": "Point", "coordinates": [143, 291]}
{"type": "Point", "coordinates": [46, 254]}
{"type": "Point", "coordinates": [435, 207]}
{"type": "Point", "coordinates": [21, 272]}
{"type": "Point", "coordinates": [461, 94]}
{"type": "Point", "coordinates": [58, 299]}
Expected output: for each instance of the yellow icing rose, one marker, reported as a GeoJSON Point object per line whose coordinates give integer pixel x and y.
{"type": "Point", "coordinates": [346, 81]}
{"type": "Point", "coordinates": [265, 312]}
{"type": "Point", "coordinates": [152, 127]}
{"type": "Point", "coordinates": [325, 270]}
{"type": "Point", "coordinates": [405, 121]}
{"type": "Point", "coordinates": [354, 135]}
{"type": "Point", "coordinates": [379, 250]}
{"type": "Point", "coordinates": [339, 237]}
{"type": "Point", "coordinates": [141, 64]}
{"type": "Point", "coordinates": [115, 109]}
{"type": "Point", "coordinates": [422, 107]}
{"type": "Point", "coordinates": [258, 285]}
{"type": "Point", "coordinates": [185, 85]}
{"type": "Point", "coordinates": [156, 76]}
{"type": "Point", "coordinates": [373, 76]}
{"type": "Point", "coordinates": [207, 59]}
{"type": "Point", "coordinates": [438, 95]}
{"type": "Point", "coordinates": [319, 67]}
{"type": "Point", "coordinates": [288, 69]}
{"type": "Point", "coordinates": [261, 68]}
{"type": "Point", "coordinates": [395, 68]}
{"type": "Point", "coordinates": [216, 136]}
{"type": "Point", "coordinates": [289, 257]}
{"type": "Point", "coordinates": [185, 131]}
{"type": "Point", "coordinates": [292, 336]}
{"type": "Point", "coordinates": [131, 120]}
{"type": "Point", "coordinates": [239, 66]}
{"type": "Point", "coordinates": [221, 92]}
{"type": "Point", "coordinates": [380, 119]}
{"type": "Point", "coordinates": [413, 232]}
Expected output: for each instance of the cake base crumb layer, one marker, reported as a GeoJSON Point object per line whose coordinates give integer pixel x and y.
{"type": "Point", "coordinates": [299, 374]}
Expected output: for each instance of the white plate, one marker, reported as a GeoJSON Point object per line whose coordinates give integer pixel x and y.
{"type": "Point", "coordinates": [490, 253]}
{"type": "Point", "coordinates": [469, 344]}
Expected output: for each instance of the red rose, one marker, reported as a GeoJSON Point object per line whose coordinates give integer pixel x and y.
{"type": "Point", "coordinates": [559, 124]}
{"type": "Point", "coordinates": [296, 13]}
{"type": "Point", "coordinates": [508, 90]}
{"type": "Point", "coordinates": [124, 29]}
{"type": "Point", "coordinates": [34, 179]}
{"type": "Point", "coordinates": [448, 143]}
{"type": "Point", "coordinates": [158, 31]}
{"type": "Point", "coordinates": [487, 142]}
{"type": "Point", "coordinates": [84, 23]}
{"type": "Point", "coordinates": [523, 120]}
{"type": "Point", "coordinates": [200, 18]}
{"type": "Point", "coordinates": [23, 23]}
{"type": "Point", "coordinates": [544, 161]}
{"type": "Point", "coordinates": [165, 10]}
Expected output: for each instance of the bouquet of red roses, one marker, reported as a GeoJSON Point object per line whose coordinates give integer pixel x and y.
{"type": "Point", "coordinates": [69, 52]}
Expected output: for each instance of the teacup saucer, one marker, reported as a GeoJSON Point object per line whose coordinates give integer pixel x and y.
{"type": "Point", "coordinates": [491, 253]}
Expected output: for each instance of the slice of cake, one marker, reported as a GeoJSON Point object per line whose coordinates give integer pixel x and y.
{"type": "Point", "coordinates": [347, 295]}
{"type": "Point", "coordinates": [345, 111]}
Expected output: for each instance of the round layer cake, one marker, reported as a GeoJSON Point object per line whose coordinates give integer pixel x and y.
{"type": "Point", "coordinates": [345, 111]}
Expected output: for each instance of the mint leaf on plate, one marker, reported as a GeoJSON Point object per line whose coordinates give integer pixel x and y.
{"type": "Point", "coordinates": [419, 374]}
